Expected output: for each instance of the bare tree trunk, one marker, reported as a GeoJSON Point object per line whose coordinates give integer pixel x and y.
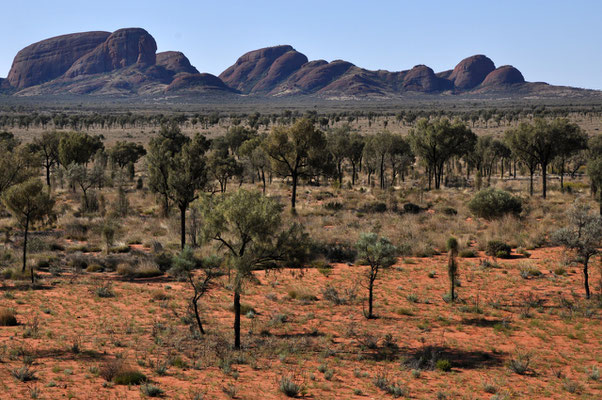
{"type": "Point", "coordinates": [236, 319]}
{"type": "Point", "coordinates": [182, 227]}
{"type": "Point", "coordinates": [25, 243]}
{"type": "Point", "coordinates": [586, 279]}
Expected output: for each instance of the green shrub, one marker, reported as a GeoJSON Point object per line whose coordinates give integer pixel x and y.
{"type": "Point", "coordinates": [494, 203]}
{"type": "Point", "coordinates": [23, 374]}
{"type": "Point", "coordinates": [289, 387]}
{"type": "Point", "coordinates": [468, 253]}
{"type": "Point", "coordinates": [333, 206]}
{"type": "Point", "coordinates": [382, 382]}
{"type": "Point", "coordinates": [497, 248]}
{"type": "Point", "coordinates": [16, 274]}
{"type": "Point", "coordinates": [129, 376]}
{"type": "Point", "coordinates": [443, 365]}
{"type": "Point", "coordinates": [94, 268]}
{"type": "Point", "coordinates": [375, 207]}
{"type": "Point", "coordinates": [520, 363]}
{"type": "Point", "coordinates": [8, 317]}
{"type": "Point", "coordinates": [151, 390]}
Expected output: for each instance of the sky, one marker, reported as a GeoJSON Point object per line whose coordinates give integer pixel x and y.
{"type": "Point", "coordinates": [559, 42]}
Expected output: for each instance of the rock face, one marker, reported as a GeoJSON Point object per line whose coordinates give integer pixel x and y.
{"type": "Point", "coordinates": [125, 63]}
{"type": "Point", "coordinates": [318, 74]}
{"type": "Point", "coordinates": [197, 83]}
{"type": "Point", "coordinates": [423, 79]}
{"type": "Point", "coordinates": [122, 48]}
{"type": "Point", "coordinates": [471, 71]}
{"type": "Point", "coordinates": [503, 76]}
{"type": "Point", "coordinates": [51, 58]}
{"type": "Point", "coordinates": [262, 69]}
{"type": "Point", "coordinates": [175, 62]}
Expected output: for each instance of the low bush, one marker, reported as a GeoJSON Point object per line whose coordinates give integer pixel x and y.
{"type": "Point", "coordinates": [382, 382]}
{"type": "Point", "coordinates": [151, 390]}
{"type": "Point", "coordinates": [494, 203]}
{"type": "Point", "coordinates": [289, 386]}
{"type": "Point", "coordinates": [497, 248]}
{"type": "Point", "coordinates": [374, 207]}
{"type": "Point", "coordinates": [8, 317]}
{"type": "Point", "coordinates": [333, 206]}
{"type": "Point", "coordinates": [467, 253]}
{"type": "Point", "coordinates": [443, 365]}
{"type": "Point", "coordinates": [411, 208]}
{"type": "Point", "coordinates": [23, 374]}
{"type": "Point", "coordinates": [520, 364]}
{"type": "Point", "coordinates": [118, 372]}
{"type": "Point", "coordinates": [129, 376]}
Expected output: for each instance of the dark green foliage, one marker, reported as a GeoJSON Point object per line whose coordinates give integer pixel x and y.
{"type": "Point", "coordinates": [289, 386]}
{"type": "Point", "coordinates": [164, 260]}
{"type": "Point", "coordinates": [333, 206]}
{"type": "Point", "coordinates": [151, 390]}
{"type": "Point", "coordinates": [383, 382]}
{"type": "Point", "coordinates": [411, 208]}
{"type": "Point", "coordinates": [497, 248]}
{"type": "Point", "coordinates": [494, 203]}
{"type": "Point", "coordinates": [374, 207]}
{"type": "Point", "coordinates": [443, 365]}
{"type": "Point", "coordinates": [23, 374]}
{"type": "Point", "coordinates": [129, 376]}
{"type": "Point", "coordinates": [8, 317]}
{"type": "Point", "coordinates": [336, 252]}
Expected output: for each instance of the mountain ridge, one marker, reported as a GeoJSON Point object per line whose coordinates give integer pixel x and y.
{"type": "Point", "coordinates": [126, 63]}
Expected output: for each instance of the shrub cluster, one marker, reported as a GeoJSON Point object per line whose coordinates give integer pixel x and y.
{"type": "Point", "coordinates": [494, 203]}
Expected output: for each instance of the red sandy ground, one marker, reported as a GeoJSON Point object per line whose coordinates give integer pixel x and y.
{"type": "Point", "coordinates": [316, 333]}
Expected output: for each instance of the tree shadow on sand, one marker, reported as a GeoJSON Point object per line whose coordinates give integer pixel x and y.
{"type": "Point", "coordinates": [426, 357]}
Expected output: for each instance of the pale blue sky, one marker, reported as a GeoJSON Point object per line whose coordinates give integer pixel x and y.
{"type": "Point", "coordinates": [559, 42]}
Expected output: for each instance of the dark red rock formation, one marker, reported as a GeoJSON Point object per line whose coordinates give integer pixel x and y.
{"type": "Point", "coordinates": [263, 68]}
{"type": "Point", "coordinates": [125, 63]}
{"type": "Point", "coordinates": [197, 82]}
{"type": "Point", "coordinates": [281, 68]}
{"type": "Point", "coordinates": [422, 79]}
{"type": "Point", "coordinates": [471, 71]}
{"type": "Point", "coordinates": [51, 58]}
{"type": "Point", "coordinates": [317, 74]}
{"type": "Point", "coordinates": [175, 62]}
{"type": "Point", "coordinates": [122, 48]}
{"type": "Point", "coordinates": [502, 76]}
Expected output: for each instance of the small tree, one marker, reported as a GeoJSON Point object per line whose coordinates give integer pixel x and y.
{"type": "Point", "coordinates": [201, 285]}
{"type": "Point", "coordinates": [376, 252]}
{"type": "Point", "coordinates": [187, 175]}
{"type": "Point", "coordinates": [29, 203]}
{"type": "Point", "coordinates": [85, 178]}
{"type": "Point", "coordinates": [48, 146]}
{"type": "Point", "coordinates": [583, 236]}
{"type": "Point", "coordinates": [437, 142]}
{"type": "Point", "coordinates": [295, 150]}
{"type": "Point", "coordinates": [452, 265]}
{"type": "Point", "coordinates": [78, 148]}
{"type": "Point", "coordinates": [247, 227]}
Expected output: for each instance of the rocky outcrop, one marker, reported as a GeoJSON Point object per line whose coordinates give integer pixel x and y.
{"type": "Point", "coordinates": [175, 62]}
{"type": "Point", "coordinates": [51, 58]}
{"type": "Point", "coordinates": [261, 70]}
{"type": "Point", "coordinates": [471, 71]}
{"type": "Point", "coordinates": [197, 83]}
{"type": "Point", "coordinates": [318, 74]}
{"type": "Point", "coordinates": [503, 76]}
{"type": "Point", "coordinates": [121, 49]}
{"type": "Point", "coordinates": [423, 79]}
{"type": "Point", "coordinates": [283, 67]}
{"type": "Point", "coordinates": [125, 63]}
